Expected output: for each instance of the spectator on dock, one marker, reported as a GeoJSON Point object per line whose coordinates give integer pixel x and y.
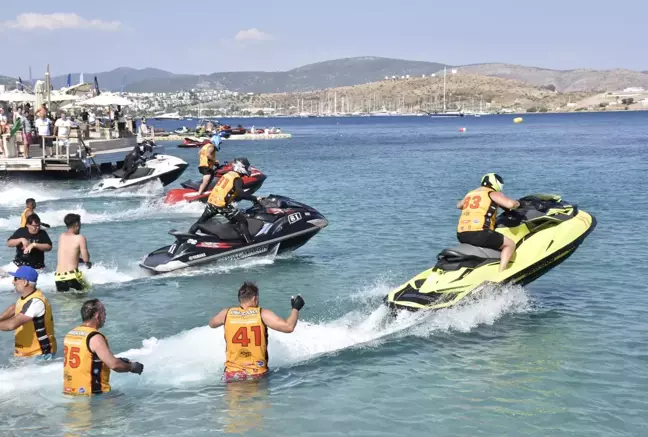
{"type": "Point", "coordinates": [62, 129]}
{"type": "Point", "coordinates": [27, 128]}
{"type": "Point", "coordinates": [4, 126]}
{"type": "Point", "coordinates": [44, 128]}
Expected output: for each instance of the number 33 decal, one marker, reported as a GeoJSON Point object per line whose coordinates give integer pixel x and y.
{"type": "Point", "coordinates": [476, 200]}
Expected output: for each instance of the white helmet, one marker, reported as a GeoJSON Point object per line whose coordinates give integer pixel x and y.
{"type": "Point", "coordinates": [241, 166]}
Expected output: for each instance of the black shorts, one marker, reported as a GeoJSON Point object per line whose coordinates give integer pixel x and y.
{"type": "Point", "coordinates": [206, 171]}
{"type": "Point", "coordinates": [488, 239]}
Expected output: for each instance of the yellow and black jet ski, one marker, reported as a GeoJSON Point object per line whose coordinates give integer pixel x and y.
{"type": "Point", "coordinates": [546, 230]}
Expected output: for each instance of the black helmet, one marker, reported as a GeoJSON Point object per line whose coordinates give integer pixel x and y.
{"type": "Point", "coordinates": [241, 166]}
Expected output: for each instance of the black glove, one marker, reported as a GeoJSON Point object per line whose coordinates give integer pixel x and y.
{"type": "Point", "coordinates": [297, 302]}
{"type": "Point", "coordinates": [135, 366]}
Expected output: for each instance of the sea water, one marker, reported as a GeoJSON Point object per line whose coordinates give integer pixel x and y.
{"type": "Point", "coordinates": [565, 355]}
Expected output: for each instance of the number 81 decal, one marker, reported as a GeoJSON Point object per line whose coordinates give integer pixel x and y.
{"type": "Point", "coordinates": [292, 218]}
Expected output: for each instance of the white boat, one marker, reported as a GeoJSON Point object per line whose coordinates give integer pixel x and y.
{"type": "Point", "coordinates": [168, 116]}
{"type": "Point", "coordinates": [165, 168]}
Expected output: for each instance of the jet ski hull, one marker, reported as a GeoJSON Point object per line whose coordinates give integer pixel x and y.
{"type": "Point", "coordinates": [276, 229]}
{"type": "Point", "coordinates": [164, 168]}
{"type": "Point", "coordinates": [542, 243]}
{"type": "Point", "coordinates": [251, 184]}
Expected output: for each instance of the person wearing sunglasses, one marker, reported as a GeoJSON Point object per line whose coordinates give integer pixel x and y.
{"type": "Point", "coordinates": [31, 243]}
{"type": "Point", "coordinates": [30, 318]}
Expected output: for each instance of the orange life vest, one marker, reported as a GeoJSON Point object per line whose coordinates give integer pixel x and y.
{"type": "Point", "coordinates": [246, 340]}
{"type": "Point", "coordinates": [223, 192]}
{"type": "Point", "coordinates": [83, 372]}
{"type": "Point", "coordinates": [35, 337]}
{"type": "Point", "coordinates": [479, 212]}
{"type": "Point", "coordinates": [207, 159]}
{"type": "Point", "coordinates": [23, 217]}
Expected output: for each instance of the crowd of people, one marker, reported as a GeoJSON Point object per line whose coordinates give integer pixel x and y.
{"type": "Point", "coordinates": [87, 358]}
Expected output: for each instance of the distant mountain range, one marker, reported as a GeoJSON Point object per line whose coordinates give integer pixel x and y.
{"type": "Point", "coordinates": [347, 72]}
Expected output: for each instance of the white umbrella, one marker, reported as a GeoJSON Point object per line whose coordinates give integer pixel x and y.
{"type": "Point", "coordinates": [106, 100]}
{"type": "Point", "coordinates": [58, 97]}
{"type": "Point", "coordinates": [17, 96]}
{"type": "Point", "coordinates": [39, 90]}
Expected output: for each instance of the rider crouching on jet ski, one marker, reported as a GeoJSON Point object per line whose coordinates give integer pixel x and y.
{"type": "Point", "coordinates": [134, 159]}
{"type": "Point", "coordinates": [229, 189]}
{"type": "Point", "coordinates": [479, 212]}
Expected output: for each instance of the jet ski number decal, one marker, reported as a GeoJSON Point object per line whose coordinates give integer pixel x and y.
{"type": "Point", "coordinates": [293, 218]}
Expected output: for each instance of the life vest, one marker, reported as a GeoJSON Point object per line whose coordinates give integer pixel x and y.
{"type": "Point", "coordinates": [223, 192]}
{"type": "Point", "coordinates": [35, 337]}
{"type": "Point", "coordinates": [479, 211]}
{"type": "Point", "coordinates": [207, 159]}
{"type": "Point", "coordinates": [23, 217]}
{"type": "Point", "coordinates": [246, 341]}
{"type": "Point", "coordinates": [83, 372]}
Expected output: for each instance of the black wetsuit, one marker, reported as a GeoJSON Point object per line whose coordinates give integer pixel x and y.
{"type": "Point", "coordinates": [232, 214]}
{"type": "Point", "coordinates": [131, 161]}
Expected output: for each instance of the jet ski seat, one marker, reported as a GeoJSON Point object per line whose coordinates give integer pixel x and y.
{"type": "Point", "coordinates": [467, 252]}
{"type": "Point", "coordinates": [227, 231]}
{"type": "Point", "coordinates": [139, 173]}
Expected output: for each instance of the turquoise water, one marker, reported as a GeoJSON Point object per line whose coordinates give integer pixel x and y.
{"type": "Point", "coordinates": [566, 355]}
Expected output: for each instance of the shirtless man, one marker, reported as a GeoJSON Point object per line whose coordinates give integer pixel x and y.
{"type": "Point", "coordinates": [72, 248]}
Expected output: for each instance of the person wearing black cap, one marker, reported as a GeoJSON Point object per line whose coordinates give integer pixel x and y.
{"type": "Point", "coordinates": [30, 318]}
{"type": "Point", "coordinates": [31, 243]}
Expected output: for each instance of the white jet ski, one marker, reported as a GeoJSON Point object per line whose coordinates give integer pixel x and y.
{"type": "Point", "coordinates": [165, 168]}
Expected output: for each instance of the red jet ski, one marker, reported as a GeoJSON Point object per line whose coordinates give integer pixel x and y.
{"type": "Point", "coordinates": [251, 184]}
{"type": "Point", "coordinates": [193, 143]}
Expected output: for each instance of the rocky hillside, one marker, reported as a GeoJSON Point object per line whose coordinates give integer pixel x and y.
{"type": "Point", "coordinates": [464, 91]}
{"type": "Point", "coordinates": [339, 72]}
{"type": "Point", "coordinates": [564, 80]}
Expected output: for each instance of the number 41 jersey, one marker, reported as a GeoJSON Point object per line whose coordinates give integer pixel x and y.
{"type": "Point", "coordinates": [246, 339]}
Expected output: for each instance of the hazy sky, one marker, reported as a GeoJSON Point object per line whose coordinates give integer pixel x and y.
{"type": "Point", "coordinates": [205, 36]}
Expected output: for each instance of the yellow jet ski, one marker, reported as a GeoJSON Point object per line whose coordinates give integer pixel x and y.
{"type": "Point", "coordinates": [546, 230]}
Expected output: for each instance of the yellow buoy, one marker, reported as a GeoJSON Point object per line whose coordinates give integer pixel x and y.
{"type": "Point", "coordinates": [517, 120]}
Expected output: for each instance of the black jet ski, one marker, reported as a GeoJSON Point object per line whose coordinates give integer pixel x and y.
{"type": "Point", "coordinates": [277, 224]}
{"type": "Point", "coordinates": [546, 230]}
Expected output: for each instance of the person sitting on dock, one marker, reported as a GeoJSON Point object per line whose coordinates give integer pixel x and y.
{"type": "Point", "coordinates": [31, 243]}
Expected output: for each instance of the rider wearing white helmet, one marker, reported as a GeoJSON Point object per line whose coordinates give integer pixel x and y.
{"type": "Point", "coordinates": [479, 211]}
{"type": "Point", "coordinates": [228, 189]}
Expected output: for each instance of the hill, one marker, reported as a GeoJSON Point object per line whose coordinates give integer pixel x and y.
{"type": "Point", "coordinates": [328, 74]}
{"type": "Point", "coordinates": [564, 80]}
{"type": "Point", "coordinates": [9, 82]}
{"type": "Point", "coordinates": [114, 79]}
{"type": "Point", "coordinates": [464, 91]}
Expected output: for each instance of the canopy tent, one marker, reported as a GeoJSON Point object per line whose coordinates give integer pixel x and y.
{"type": "Point", "coordinates": [16, 96]}
{"type": "Point", "coordinates": [80, 88]}
{"type": "Point", "coordinates": [106, 99]}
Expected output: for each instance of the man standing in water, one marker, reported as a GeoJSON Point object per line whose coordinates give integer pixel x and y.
{"type": "Point", "coordinates": [31, 243]}
{"type": "Point", "coordinates": [88, 359]}
{"type": "Point", "coordinates": [246, 333]}
{"type": "Point", "coordinates": [30, 318]}
{"type": "Point", "coordinates": [72, 247]}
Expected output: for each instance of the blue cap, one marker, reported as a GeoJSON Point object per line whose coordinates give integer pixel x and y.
{"type": "Point", "coordinates": [27, 273]}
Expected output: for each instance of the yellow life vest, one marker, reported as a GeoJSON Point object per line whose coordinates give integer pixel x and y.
{"type": "Point", "coordinates": [83, 372]}
{"type": "Point", "coordinates": [35, 337]}
{"type": "Point", "coordinates": [246, 340]}
{"type": "Point", "coordinates": [23, 217]}
{"type": "Point", "coordinates": [223, 192]}
{"type": "Point", "coordinates": [479, 212]}
{"type": "Point", "coordinates": [207, 159]}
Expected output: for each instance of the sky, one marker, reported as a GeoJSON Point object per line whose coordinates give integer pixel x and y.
{"type": "Point", "coordinates": [206, 36]}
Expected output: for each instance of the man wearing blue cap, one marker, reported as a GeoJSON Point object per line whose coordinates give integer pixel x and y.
{"type": "Point", "coordinates": [30, 317]}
